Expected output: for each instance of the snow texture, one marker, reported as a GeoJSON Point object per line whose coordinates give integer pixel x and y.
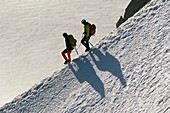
{"type": "Point", "coordinates": [31, 38]}
{"type": "Point", "coordinates": [124, 73]}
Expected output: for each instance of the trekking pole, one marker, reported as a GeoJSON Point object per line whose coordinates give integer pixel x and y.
{"type": "Point", "coordinates": [91, 44]}
{"type": "Point", "coordinates": [76, 51]}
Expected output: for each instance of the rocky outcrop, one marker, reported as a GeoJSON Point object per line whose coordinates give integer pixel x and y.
{"type": "Point", "coordinates": [133, 7]}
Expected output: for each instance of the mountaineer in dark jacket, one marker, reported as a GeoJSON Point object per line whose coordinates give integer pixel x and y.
{"type": "Point", "coordinates": [68, 49]}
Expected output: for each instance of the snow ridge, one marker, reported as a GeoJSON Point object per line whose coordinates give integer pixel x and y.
{"type": "Point", "coordinates": [126, 72]}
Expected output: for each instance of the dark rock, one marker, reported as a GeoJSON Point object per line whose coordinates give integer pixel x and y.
{"type": "Point", "coordinates": [133, 7]}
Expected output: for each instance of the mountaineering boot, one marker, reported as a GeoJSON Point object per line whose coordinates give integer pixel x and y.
{"type": "Point", "coordinates": [67, 61]}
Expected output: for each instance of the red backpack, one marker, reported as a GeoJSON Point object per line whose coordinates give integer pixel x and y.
{"type": "Point", "coordinates": [92, 29]}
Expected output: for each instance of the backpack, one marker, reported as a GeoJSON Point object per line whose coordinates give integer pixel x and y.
{"type": "Point", "coordinates": [72, 41]}
{"type": "Point", "coordinates": [92, 29]}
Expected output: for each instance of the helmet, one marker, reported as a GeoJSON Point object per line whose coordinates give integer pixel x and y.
{"type": "Point", "coordinates": [83, 21]}
{"type": "Point", "coordinates": [65, 35]}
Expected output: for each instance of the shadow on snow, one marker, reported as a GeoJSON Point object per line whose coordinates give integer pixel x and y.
{"type": "Point", "coordinates": [84, 71]}
{"type": "Point", "coordinates": [106, 62]}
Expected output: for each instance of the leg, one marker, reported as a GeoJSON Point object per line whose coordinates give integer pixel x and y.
{"type": "Point", "coordinates": [64, 54]}
{"type": "Point", "coordinates": [69, 56]}
{"type": "Point", "coordinates": [85, 43]}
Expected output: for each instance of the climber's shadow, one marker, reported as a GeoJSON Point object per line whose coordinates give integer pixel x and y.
{"type": "Point", "coordinates": [106, 62]}
{"type": "Point", "coordinates": [84, 71]}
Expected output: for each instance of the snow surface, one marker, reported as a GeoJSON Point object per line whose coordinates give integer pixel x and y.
{"type": "Point", "coordinates": [31, 37]}
{"type": "Point", "coordinates": [124, 73]}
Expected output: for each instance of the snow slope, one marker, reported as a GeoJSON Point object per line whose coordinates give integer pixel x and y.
{"type": "Point", "coordinates": [31, 37]}
{"type": "Point", "coordinates": [126, 72]}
